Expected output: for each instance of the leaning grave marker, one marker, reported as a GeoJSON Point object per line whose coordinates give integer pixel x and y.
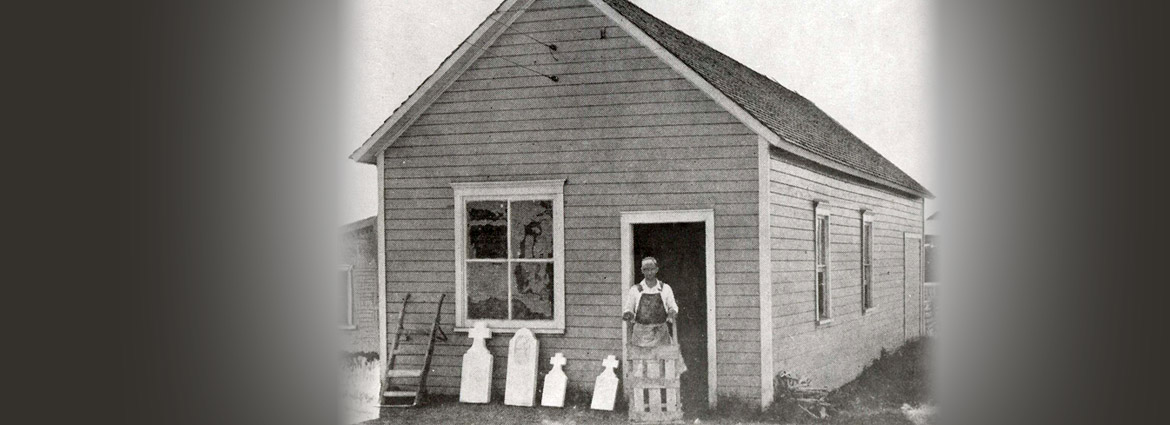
{"type": "Point", "coordinates": [475, 384]}
{"type": "Point", "coordinates": [522, 357]}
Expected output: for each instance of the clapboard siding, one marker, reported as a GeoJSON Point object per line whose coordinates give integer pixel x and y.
{"type": "Point", "coordinates": [567, 96]}
{"type": "Point", "coordinates": [832, 354]}
{"type": "Point", "coordinates": [557, 36]}
{"type": "Point", "coordinates": [360, 252]}
{"type": "Point", "coordinates": [627, 133]}
{"type": "Point", "coordinates": [542, 58]}
{"type": "Point", "coordinates": [570, 112]}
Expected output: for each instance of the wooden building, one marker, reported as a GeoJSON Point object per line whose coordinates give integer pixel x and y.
{"type": "Point", "coordinates": [524, 178]}
{"type": "Point", "coordinates": [357, 287]}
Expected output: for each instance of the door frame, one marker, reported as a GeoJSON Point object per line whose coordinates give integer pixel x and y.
{"type": "Point", "coordinates": [707, 217]}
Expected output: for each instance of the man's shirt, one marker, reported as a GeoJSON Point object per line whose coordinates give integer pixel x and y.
{"type": "Point", "coordinates": [634, 296]}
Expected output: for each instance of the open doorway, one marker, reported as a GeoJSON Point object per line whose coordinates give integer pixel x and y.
{"type": "Point", "coordinates": [680, 249]}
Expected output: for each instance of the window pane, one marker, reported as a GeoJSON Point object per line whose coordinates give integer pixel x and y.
{"type": "Point", "coordinates": [344, 296]}
{"type": "Point", "coordinates": [532, 231]}
{"type": "Point", "coordinates": [532, 298]}
{"type": "Point", "coordinates": [867, 241]}
{"type": "Point", "coordinates": [487, 229]}
{"type": "Point", "coordinates": [868, 287]}
{"type": "Point", "coordinates": [487, 291]}
{"type": "Point", "coordinates": [821, 304]}
{"type": "Point", "coordinates": [822, 240]}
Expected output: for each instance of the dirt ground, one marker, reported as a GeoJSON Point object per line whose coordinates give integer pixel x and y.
{"type": "Point", "coordinates": [874, 398]}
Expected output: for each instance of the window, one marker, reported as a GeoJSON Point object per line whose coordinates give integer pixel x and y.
{"type": "Point", "coordinates": [866, 260]}
{"type": "Point", "coordinates": [821, 246]}
{"type": "Point", "coordinates": [345, 296]}
{"type": "Point", "coordinates": [509, 255]}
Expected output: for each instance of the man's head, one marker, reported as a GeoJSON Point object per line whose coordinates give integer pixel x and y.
{"type": "Point", "coordinates": [649, 267]}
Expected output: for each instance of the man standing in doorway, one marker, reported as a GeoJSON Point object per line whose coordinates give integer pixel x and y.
{"type": "Point", "coordinates": [649, 306]}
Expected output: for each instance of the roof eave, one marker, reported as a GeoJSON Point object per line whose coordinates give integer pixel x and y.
{"type": "Point", "coordinates": [438, 82]}
{"type": "Point", "coordinates": [735, 108]}
{"type": "Point", "coordinates": [363, 223]}
{"type": "Point", "coordinates": [492, 28]}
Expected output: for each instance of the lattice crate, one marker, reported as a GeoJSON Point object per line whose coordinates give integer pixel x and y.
{"type": "Point", "coordinates": [654, 385]}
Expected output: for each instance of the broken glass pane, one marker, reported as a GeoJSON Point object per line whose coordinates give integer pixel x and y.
{"type": "Point", "coordinates": [532, 231]}
{"type": "Point", "coordinates": [487, 229]}
{"type": "Point", "coordinates": [487, 290]}
{"type": "Point", "coordinates": [532, 298]}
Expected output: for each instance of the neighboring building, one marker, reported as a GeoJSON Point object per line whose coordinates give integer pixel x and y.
{"type": "Point", "coordinates": [524, 182]}
{"type": "Point", "coordinates": [932, 251]}
{"type": "Point", "coordinates": [357, 280]}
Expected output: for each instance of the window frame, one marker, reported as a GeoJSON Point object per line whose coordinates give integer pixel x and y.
{"type": "Point", "coordinates": [822, 250]}
{"type": "Point", "coordinates": [348, 270]}
{"type": "Point", "coordinates": [867, 298]}
{"type": "Point", "coordinates": [552, 190]}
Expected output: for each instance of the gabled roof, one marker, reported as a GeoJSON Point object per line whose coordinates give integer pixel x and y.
{"type": "Point", "coordinates": [786, 113]}
{"type": "Point", "coordinates": [783, 117]}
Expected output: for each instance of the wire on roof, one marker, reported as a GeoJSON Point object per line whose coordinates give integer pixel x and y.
{"type": "Point", "coordinates": [485, 51]}
{"type": "Point", "coordinates": [550, 46]}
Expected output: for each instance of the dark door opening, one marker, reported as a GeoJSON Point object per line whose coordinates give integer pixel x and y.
{"type": "Point", "coordinates": [681, 253]}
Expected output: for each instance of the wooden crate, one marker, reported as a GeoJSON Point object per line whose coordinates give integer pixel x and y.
{"type": "Point", "coordinates": [653, 386]}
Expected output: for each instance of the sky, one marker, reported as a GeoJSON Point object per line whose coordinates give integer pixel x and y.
{"type": "Point", "coordinates": [865, 63]}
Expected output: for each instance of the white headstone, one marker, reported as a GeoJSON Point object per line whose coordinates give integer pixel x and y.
{"type": "Point", "coordinates": [521, 384]}
{"type": "Point", "coordinates": [605, 388]}
{"type": "Point", "coordinates": [554, 383]}
{"type": "Point", "coordinates": [475, 386]}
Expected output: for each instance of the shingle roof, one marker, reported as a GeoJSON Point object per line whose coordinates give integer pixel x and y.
{"type": "Point", "coordinates": [783, 111]}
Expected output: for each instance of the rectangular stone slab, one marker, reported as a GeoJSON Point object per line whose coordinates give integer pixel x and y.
{"type": "Point", "coordinates": [604, 392]}
{"type": "Point", "coordinates": [554, 384]}
{"type": "Point", "coordinates": [475, 383]}
{"type": "Point", "coordinates": [554, 389]}
{"type": "Point", "coordinates": [522, 367]}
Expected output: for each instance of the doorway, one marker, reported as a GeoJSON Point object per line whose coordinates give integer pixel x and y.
{"type": "Point", "coordinates": [679, 249]}
{"type": "Point", "coordinates": [682, 242]}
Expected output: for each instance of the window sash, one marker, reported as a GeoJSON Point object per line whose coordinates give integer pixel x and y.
{"type": "Point", "coordinates": [823, 280]}
{"type": "Point", "coordinates": [510, 192]}
{"type": "Point", "coordinates": [867, 264]}
{"type": "Point", "coordinates": [510, 261]}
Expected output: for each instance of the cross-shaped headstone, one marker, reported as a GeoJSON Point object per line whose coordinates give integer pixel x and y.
{"type": "Point", "coordinates": [475, 385]}
{"type": "Point", "coordinates": [610, 363]}
{"type": "Point", "coordinates": [480, 332]}
{"type": "Point", "coordinates": [557, 361]}
{"type": "Point", "coordinates": [554, 383]}
{"type": "Point", "coordinates": [605, 387]}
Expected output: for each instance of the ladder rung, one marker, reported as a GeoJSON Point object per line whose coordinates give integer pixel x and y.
{"type": "Point", "coordinates": [404, 373]}
{"type": "Point", "coordinates": [400, 394]}
{"type": "Point", "coordinates": [399, 405]}
{"type": "Point", "coordinates": [413, 331]}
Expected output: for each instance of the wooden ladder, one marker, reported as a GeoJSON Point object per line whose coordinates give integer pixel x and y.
{"type": "Point", "coordinates": [396, 395]}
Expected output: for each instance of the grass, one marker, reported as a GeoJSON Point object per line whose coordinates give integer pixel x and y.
{"type": "Point", "coordinates": [874, 398]}
{"type": "Point", "coordinates": [890, 381]}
